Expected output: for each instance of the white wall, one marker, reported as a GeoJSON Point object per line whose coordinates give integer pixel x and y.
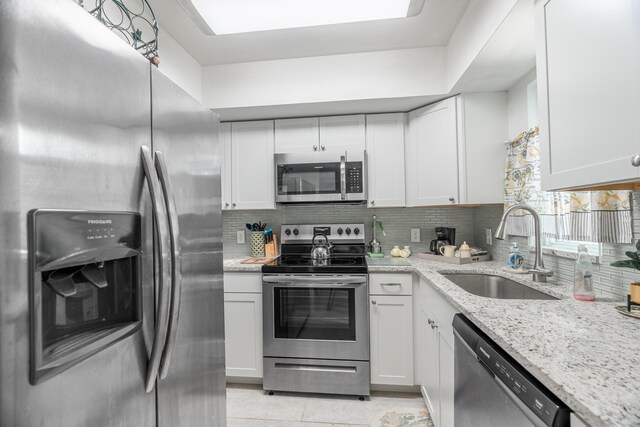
{"type": "Point", "coordinates": [178, 65]}
{"type": "Point", "coordinates": [522, 105]}
{"type": "Point", "coordinates": [481, 19]}
{"type": "Point", "coordinates": [369, 75]}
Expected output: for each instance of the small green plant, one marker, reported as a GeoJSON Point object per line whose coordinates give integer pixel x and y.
{"type": "Point", "coordinates": [632, 262]}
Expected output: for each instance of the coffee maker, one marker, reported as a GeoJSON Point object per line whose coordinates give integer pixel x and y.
{"type": "Point", "coordinates": [444, 236]}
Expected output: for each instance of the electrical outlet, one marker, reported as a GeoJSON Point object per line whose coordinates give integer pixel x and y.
{"type": "Point", "coordinates": [240, 237]}
{"type": "Point", "coordinates": [489, 237]}
{"type": "Point", "coordinates": [415, 235]}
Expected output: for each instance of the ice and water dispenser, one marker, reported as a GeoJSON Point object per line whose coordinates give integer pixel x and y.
{"type": "Point", "coordinates": [85, 278]}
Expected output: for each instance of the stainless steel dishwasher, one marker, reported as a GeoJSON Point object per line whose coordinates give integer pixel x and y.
{"type": "Point", "coordinates": [493, 390]}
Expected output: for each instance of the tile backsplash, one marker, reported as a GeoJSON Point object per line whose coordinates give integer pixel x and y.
{"type": "Point", "coordinates": [470, 224]}
{"type": "Point", "coordinates": [397, 223]}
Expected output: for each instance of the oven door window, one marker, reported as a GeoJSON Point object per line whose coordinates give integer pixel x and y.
{"type": "Point", "coordinates": [315, 313]}
{"type": "Point", "coordinates": [309, 178]}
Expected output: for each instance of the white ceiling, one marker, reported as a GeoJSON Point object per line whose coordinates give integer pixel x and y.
{"type": "Point", "coordinates": [432, 27]}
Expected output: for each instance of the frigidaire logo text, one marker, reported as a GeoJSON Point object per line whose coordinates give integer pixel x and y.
{"type": "Point", "coordinates": [99, 221]}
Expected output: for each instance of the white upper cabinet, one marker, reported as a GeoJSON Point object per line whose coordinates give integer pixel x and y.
{"type": "Point", "coordinates": [225, 142]}
{"type": "Point", "coordinates": [484, 122]}
{"type": "Point", "coordinates": [432, 155]}
{"type": "Point", "coordinates": [297, 135]}
{"type": "Point", "coordinates": [252, 169]}
{"type": "Point", "coordinates": [588, 63]}
{"type": "Point", "coordinates": [455, 152]}
{"type": "Point", "coordinates": [342, 133]}
{"type": "Point", "coordinates": [312, 134]}
{"type": "Point", "coordinates": [385, 159]}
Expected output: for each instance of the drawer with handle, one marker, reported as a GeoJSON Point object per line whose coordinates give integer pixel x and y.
{"type": "Point", "coordinates": [390, 284]}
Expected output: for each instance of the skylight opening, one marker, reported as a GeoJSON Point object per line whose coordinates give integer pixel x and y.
{"type": "Point", "coordinates": [243, 16]}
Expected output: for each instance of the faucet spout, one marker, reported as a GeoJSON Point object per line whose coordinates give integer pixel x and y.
{"type": "Point", "coordinates": [540, 273]}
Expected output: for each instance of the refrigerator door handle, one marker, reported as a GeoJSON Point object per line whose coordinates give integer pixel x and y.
{"type": "Point", "coordinates": [164, 266]}
{"type": "Point", "coordinates": [176, 263]}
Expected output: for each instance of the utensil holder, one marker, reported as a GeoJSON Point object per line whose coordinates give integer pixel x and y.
{"type": "Point", "coordinates": [256, 242]}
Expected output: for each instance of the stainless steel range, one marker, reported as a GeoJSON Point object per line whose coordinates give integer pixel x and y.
{"type": "Point", "coordinates": [316, 314]}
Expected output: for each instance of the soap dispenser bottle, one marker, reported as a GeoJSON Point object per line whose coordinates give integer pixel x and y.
{"type": "Point", "coordinates": [515, 260]}
{"type": "Point", "coordinates": [583, 276]}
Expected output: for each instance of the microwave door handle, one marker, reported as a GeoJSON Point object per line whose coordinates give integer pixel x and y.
{"type": "Point", "coordinates": [176, 263]}
{"type": "Point", "coordinates": [343, 176]}
{"type": "Point", "coordinates": [164, 266]}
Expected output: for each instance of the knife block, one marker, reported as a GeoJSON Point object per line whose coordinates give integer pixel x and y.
{"type": "Point", "coordinates": [271, 248]}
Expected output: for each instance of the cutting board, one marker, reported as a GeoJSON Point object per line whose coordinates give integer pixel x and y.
{"type": "Point", "coordinates": [261, 260]}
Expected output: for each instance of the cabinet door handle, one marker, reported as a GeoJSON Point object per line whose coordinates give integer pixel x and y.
{"type": "Point", "coordinates": [635, 160]}
{"type": "Point", "coordinates": [226, 205]}
{"type": "Point", "coordinates": [233, 205]}
{"type": "Point", "coordinates": [374, 302]}
{"type": "Point", "coordinates": [322, 147]}
{"type": "Point", "coordinates": [373, 202]}
{"type": "Point", "coordinates": [452, 199]}
{"type": "Point", "coordinates": [390, 284]}
{"type": "Point", "coordinates": [315, 148]}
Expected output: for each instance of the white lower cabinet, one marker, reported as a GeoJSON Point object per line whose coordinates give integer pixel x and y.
{"type": "Point", "coordinates": [391, 329]}
{"type": "Point", "coordinates": [434, 353]}
{"type": "Point", "coordinates": [243, 324]}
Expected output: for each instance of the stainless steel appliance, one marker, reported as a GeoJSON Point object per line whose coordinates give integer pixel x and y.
{"type": "Point", "coordinates": [321, 177]}
{"type": "Point", "coordinates": [444, 236]}
{"type": "Point", "coordinates": [108, 316]}
{"type": "Point", "coordinates": [316, 313]}
{"type": "Point", "coordinates": [493, 390]}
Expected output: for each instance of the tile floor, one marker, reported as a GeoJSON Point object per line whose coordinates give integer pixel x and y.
{"type": "Point", "coordinates": [249, 406]}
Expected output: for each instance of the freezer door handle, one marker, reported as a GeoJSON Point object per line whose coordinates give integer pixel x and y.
{"type": "Point", "coordinates": [164, 266]}
{"type": "Point", "coordinates": [176, 263]}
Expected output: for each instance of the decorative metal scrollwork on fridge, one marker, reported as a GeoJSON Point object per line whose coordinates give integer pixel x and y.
{"type": "Point", "coordinates": [132, 20]}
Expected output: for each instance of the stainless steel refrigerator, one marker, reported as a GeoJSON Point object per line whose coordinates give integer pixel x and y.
{"type": "Point", "coordinates": [111, 300]}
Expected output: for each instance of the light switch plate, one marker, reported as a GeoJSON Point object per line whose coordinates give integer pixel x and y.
{"type": "Point", "coordinates": [489, 237]}
{"type": "Point", "coordinates": [415, 235]}
{"type": "Point", "coordinates": [240, 237]}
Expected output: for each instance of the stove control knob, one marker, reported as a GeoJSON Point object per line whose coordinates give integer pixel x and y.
{"type": "Point", "coordinates": [295, 232]}
{"type": "Point", "coordinates": [348, 231]}
{"type": "Point", "coordinates": [287, 232]}
{"type": "Point", "coordinates": [340, 231]}
{"type": "Point", "coordinates": [356, 231]}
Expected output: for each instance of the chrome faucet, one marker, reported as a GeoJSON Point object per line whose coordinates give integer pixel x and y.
{"type": "Point", "coordinates": [540, 273]}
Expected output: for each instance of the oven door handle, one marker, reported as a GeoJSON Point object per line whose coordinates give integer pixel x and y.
{"type": "Point", "coordinates": [314, 280]}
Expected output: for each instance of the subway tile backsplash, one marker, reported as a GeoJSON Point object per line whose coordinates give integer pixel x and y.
{"type": "Point", "coordinates": [397, 223]}
{"type": "Point", "coordinates": [470, 224]}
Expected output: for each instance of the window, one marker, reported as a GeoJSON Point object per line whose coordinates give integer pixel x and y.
{"type": "Point", "coordinates": [567, 248]}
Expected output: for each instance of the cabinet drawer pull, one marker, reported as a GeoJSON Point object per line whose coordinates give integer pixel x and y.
{"type": "Point", "coordinates": [374, 302]}
{"type": "Point", "coordinates": [391, 284]}
{"type": "Point", "coordinates": [635, 160]}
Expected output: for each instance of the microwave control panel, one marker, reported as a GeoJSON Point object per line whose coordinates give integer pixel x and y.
{"type": "Point", "coordinates": [354, 177]}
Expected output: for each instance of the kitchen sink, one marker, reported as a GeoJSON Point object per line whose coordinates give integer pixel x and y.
{"type": "Point", "coordinates": [491, 286]}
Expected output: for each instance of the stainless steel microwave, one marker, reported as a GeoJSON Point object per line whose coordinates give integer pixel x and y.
{"type": "Point", "coordinates": [321, 177]}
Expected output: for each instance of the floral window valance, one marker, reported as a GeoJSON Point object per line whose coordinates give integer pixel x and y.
{"type": "Point", "coordinates": [600, 216]}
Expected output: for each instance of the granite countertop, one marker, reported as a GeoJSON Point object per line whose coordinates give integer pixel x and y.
{"type": "Point", "coordinates": [584, 352]}
{"type": "Point", "coordinates": [233, 265]}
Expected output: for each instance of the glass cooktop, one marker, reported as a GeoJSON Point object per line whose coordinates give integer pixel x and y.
{"type": "Point", "coordinates": [304, 264]}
